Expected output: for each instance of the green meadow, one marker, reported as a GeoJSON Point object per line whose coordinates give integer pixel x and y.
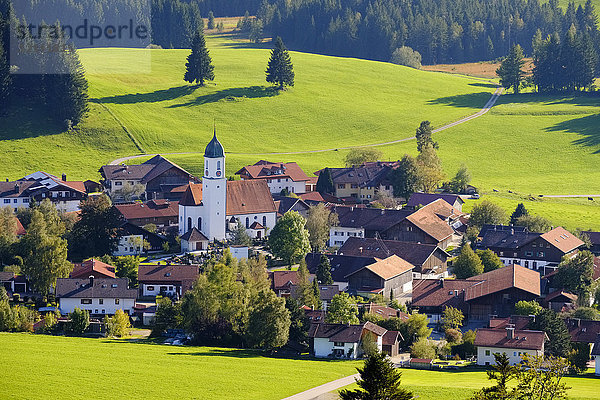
{"type": "Point", "coordinates": [77, 368]}
{"type": "Point", "coordinates": [527, 144]}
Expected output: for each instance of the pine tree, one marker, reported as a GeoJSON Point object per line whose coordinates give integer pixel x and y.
{"type": "Point", "coordinates": [423, 135]}
{"type": "Point", "coordinates": [280, 70]}
{"type": "Point", "coordinates": [211, 20]}
{"type": "Point", "coordinates": [324, 271]}
{"type": "Point", "coordinates": [379, 380]}
{"type": "Point", "coordinates": [511, 71]}
{"type": "Point", "coordinates": [518, 213]}
{"type": "Point", "coordinates": [325, 182]}
{"type": "Point", "coordinates": [199, 66]}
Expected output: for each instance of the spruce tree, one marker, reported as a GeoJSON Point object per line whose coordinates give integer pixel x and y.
{"type": "Point", "coordinates": [519, 212]}
{"type": "Point", "coordinates": [199, 66]}
{"type": "Point", "coordinates": [324, 271]}
{"type": "Point", "coordinates": [280, 70]}
{"type": "Point", "coordinates": [379, 380]}
{"type": "Point", "coordinates": [511, 71]}
{"type": "Point", "coordinates": [325, 182]}
{"type": "Point", "coordinates": [211, 20]}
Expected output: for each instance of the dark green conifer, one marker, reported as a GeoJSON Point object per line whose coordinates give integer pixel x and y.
{"type": "Point", "coordinates": [280, 70]}
{"type": "Point", "coordinates": [199, 66]}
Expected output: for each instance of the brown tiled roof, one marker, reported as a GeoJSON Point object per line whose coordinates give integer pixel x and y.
{"type": "Point", "coordinates": [390, 338]}
{"type": "Point", "coordinates": [422, 199]}
{"type": "Point", "coordinates": [519, 322]}
{"type": "Point", "coordinates": [268, 170]}
{"type": "Point", "coordinates": [167, 273]}
{"type": "Point", "coordinates": [20, 229]}
{"type": "Point", "coordinates": [311, 196]}
{"type": "Point", "coordinates": [502, 279]}
{"type": "Point", "coordinates": [143, 172]}
{"type": "Point", "coordinates": [385, 312]}
{"type": "Point", "coordinates": [343, 333]}
{"type": "Point", "coordinates": [415, 253]}
{"type": "Point", "coordinates": [428, 220]}
{"type": "Point", "coordinates": [149, 209]}
{"type": "Point", "coordinates": [558, 293]}
{"type": "Point", "coordinates": [256, 225]}
{"type": "Point", "coordinates": [281, 279]}
{"type": "Point", "coordinates": [562, 239]}
{"type": "Point", "coordinates": [326, 292]}
{"type": "Point", "coordinates": [440, 293]}
{"type": "Point", "coordinates": [192, 195]}
{"type": "Point", "coordinates": [523, 339]}
{"type": "Point", "coordinates": [7, 189]}
{"type": "Point", "coordinates": [582, 330]}
{"type": "Point", "coordinates": [194, 235]}
{"type": "Point", "coordinates": [389, 267]}
{"type": "Point", "coordinates": [249, 197]}
{"type": "Point", "coordinates": [82, 270]}
{"type": "Point", "coordinates": [376, 329]}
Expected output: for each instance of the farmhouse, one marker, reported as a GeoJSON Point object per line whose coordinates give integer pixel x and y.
{"type": "Point", "coordinates": [341, 266]}
{"type": "Point", "coordinates": [362, 182]}
{"type": "Point", "coordinates": [98, 296]}
{"type": "Point", "coordinates": [162, 213]}
{"type": "Point", "coordinates": [391, 277]}
{"type": "Point", "coordinates": [538, 251]}
{"type": "Point", "coordinates": [279, 176]}
{"type": "Point", "coordinates": [341, 340]}
{"type": "Point", "coordinates": [134, 240]}
{"type": "Point", "coordinates": [514, 343]}
{"type": "Point", "coordinates": [166, 280]}
{"type": "Point", "coordinates": [429, 260]}
{"type": "Point", "coordinates": [14, 283]}
{"type": "Point", "coordinates": [281, 281]}
{"type": "Point", "coordinates": [157, 178]}
{"type": "Point", "coordinates": [211, 206]}
{"type": "Point", "coordinates": [285, 204]}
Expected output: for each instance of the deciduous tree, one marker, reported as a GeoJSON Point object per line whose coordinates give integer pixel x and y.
{"type": "Point", "coordinates": [361, 155]}
{"type": "Point", "coordinates": [318, 222]}
{"type": "Point", "coordinates": [487, 212]}
{"type": "Point", "coordinates": [343, 310]}
{"type": "Point", "coordinates": [405, 177]}
{"type": "Point", "coordinates": [534, 223]}
{"type": "Point", "coordinates": [269, 322]}
{"type": "Point", "coordinates": [467, 264]}
{"type": "Point", "coordinates": [461, 180]}
{"type": "Point", "coordinates": [489, 259]}
{"type": "Point", "coordinates": [523, 307]}
{"type": "Point", "coordinates": [424, 136]}
{"type": "Point", "coordinates": [452, 318]}
{"type": "Point", "coordinates": [289, 238]}
{"type": "Point", "coordinates": [576, 274]}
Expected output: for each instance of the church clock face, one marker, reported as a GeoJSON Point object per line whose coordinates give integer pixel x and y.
{"type": "Point", "coordinates": [218, 173]}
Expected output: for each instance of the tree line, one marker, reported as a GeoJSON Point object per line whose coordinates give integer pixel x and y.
{"type": "Point", "coordinates": [442, 32]}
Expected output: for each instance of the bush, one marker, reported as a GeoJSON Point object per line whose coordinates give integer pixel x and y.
{"type": "Point", "coordinates": [587, 313]}
{"type": "Point", "coordinates": [453, 336]}
{"type": "Point", "coordinates": [422, 349]}
{"type": "Point", "coordinates": [118, 325]}
{"type": "Point", "coordinates": [80, 320]}
{"type": "Point", "coordinates": [406, 56]}
{"type": "Point", "coordinates": [527, 307]}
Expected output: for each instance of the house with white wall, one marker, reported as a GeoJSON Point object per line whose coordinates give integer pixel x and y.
{"type": "Point", "coordinates": [166, 280]}
{"type": "Point", "coordinates": [514, 343]}
{"type": "Point", "coordinates": [279, 176]}
{"type": "Point", "coordinates": [98, 296]}
{"type": "Point", "coordinates": [343, 341]}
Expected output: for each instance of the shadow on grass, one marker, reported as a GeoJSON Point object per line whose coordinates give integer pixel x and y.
{"type": "Point", "coordinates": [486, 85]}
{"type": "Point", "coordinates": [470, 100]}
{"type": "Point", "coordinates": [233, 94]}
{"type": "Point", "coordinates": [587, 127]}
{"type": "Point", "coordinates": [579, 99]}
{"type": "Point", "coordinates": [151, 97]}
{"type": "Point", "coordinates": [27, 120]}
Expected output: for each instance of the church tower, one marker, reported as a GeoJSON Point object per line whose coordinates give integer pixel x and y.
{"type": "Point", "coordinates": [214, 191]}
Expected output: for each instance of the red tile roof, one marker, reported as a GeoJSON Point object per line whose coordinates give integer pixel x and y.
{"type": "Point", "coordinates": [429, 221]}
{"type": "Point", "coordinates": [390, 338]}
{"type": "Point", "coordinates": [281, 279]}
{"type": "Point", "coordinates": [84, 269]}
{"type": "Point", "coordinates": [311, 196]}
{"type": "Point", "coordinates": [270, 170]}
{"type": "Point", "coordinates": [167, 273]}
{"type": "Point", "coordinates": [522, 339]}
{"type": "Point", "coordinates": [502, 279]}
{"type": "Point", "coordinates": [440, 293]}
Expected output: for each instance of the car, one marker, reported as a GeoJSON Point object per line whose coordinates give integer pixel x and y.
{"type": "Point", "coordinates": [475, 196]}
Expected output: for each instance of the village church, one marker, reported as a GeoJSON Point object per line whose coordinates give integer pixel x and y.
{"type": "Point", "coordinates": [211, 210]}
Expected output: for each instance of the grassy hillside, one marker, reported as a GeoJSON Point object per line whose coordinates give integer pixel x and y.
{"type": "Point", "coordinates": [75, 368]}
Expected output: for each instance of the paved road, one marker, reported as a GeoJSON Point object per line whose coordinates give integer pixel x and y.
{"type": "Point", "coordinates": [571, 195]}
{"type": "Point", "coordinates": [490, 103]}
{"type": "Point", "coordinates": [323, 389]}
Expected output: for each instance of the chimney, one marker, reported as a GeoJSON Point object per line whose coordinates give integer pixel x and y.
{"type": "Point", "coordinates": [91, 280]}
{"type": "Point", "coordinates": [510, 333]}
{"type": "Point", "coordinates": [442, 282]}
{"type": "Point", "coordinates": [16, 188]}
{"type": "Point", "coordinates": [360, 249]}
{"type": "Point", "coordinates": [512, 231]}
{"type": "Point", "coordinates": [64, 177]}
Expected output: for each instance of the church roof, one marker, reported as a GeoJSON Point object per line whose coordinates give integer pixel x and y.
{"type": "Point", "coordinates": [243, 197]}
{"type": "Point", "coordinates": [194, 235]}
{"type": "Point", "coordinates": [214, 149]}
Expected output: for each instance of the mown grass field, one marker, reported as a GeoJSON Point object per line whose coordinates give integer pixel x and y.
{"type": "Point", "coordinates": [43, 367]}
{"type": "Point", "coordinates": [74, 368]}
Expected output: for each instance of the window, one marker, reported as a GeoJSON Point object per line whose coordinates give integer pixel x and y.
{"type": "Point", "coordinates": [6, 201]}
{"type": "Point", "coordinates": [487, 352]}
{"type": "Point", "coordinates": [189, 223]}
{"type": "Point", "coordinates": [501, 253]}
{"type": "Point", "coordinates": [96, 311]}
{"type": "Point", "coordinates": [338, 344]}
{"type": "Point", "coordinates": [218, 165]}
{"type": "Point", "coordinates": [527, 264]}
{"type": "Point", "coordinates": [541, 254]}
{"type": "Point", "coordinates": [100, 301]}
{"type": "Point", "coordinates": [15, 200]}
{"type": "Point", "coordinates": [247, 222]}
{"type": "Point", "coordinates": [529, 253]}
{"type": "Point", "coordinates": [103, 311]}
{"type": "Point", "coordinates": [118, 183]}
{"type": "Point", "coordinates": [278, 179]}
{"type": "Point", "coordinates": [514, 353]}
{"type": "Point", "coordinates": [342, 186]}
{"type": "Point", "coordinates": [264, 221]}
{"type": "Point", "coordinates": [354, 186]}
{"type": "Point", "coordinates": [150, 288]}
{"type": "Point", "coordinates": [25, 200]}
{"type": "Point", "coordinates": [86, 301]}
{"type": "Point", "coordinates": [117, 301]}
{"type": "Point", "coordinates": [199, 223]}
